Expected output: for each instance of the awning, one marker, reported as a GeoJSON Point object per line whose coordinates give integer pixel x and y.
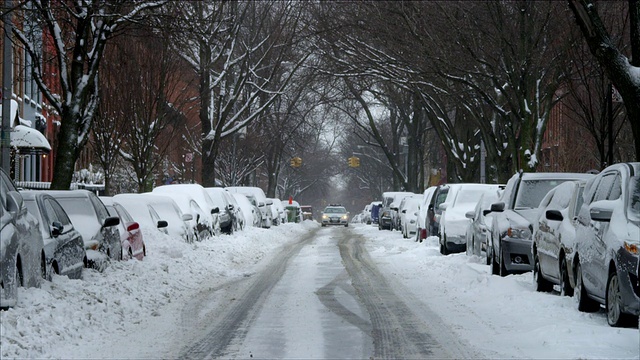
{"type": "Point", "coordinates": [29, 139]}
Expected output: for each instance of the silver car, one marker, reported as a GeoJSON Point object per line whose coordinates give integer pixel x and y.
{"type": "Point", "coordinates": [335, 215]}
{"type": "Point", "coordinates": [22, 259]}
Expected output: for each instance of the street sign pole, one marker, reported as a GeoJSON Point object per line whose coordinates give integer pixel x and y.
{"type": "Point", "coordinates": [7, 89]}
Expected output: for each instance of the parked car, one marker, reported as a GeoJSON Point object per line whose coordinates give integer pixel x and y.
{"type": "Point", "coordinates": [251, 212]}
{"type": "Point", "coordinates": [335, 215]}
{"type": "Point", "coordinates": [91, 218]}
{"type": "Point", "coordinates": [307, 212]}
{"type": "Point", "coordinates": [141, 211]}
{"type": "Point", "coordinates": [514, 216]}
{"type": "Point", "coordinates": [238, 214]}
{"type": "Point", "coordinates": [422, 231]}
{"type": "Point", "coordinates": [375, 212]}
{"type": "Point", "coordinates": [258, 198]}
{"type": "Point", "coordinates": [279, 216]}
{"type": "Point", "coordinates": [63, 245]}
{"type": "Point", "coordinates": [131, 236]}
{"type": "Point", "coordinates": [178, 223]}
{"type": "Point", "coordinates": [390, 202]}
{"type": "Point", "coordinates": [200, 223]}
{"type": "Point", "coordinates": [479, 230]}
{"type": "Point", "coordinates": [454, 223]}
{"type": "Point", "coordinates": [554, 237]}
{"type": "Point", "coordinates": [434, 212]}
{"type": "Point", "coordinates": [201, 197]}
{"type": "Point", "coordinates": [226, 216]}
{"type": "Point", "coordinates": [408, 214]}
{"type": "Point", "coordinates": [608, 233]}
{"type": "Point", "coordinates": [22, 259]}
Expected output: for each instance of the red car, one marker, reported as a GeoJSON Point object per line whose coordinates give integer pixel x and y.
{"type": "Point", "coordinates": [130, 234]}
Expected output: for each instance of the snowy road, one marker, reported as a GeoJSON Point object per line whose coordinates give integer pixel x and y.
{"type": "Point", "coordinates": [321, 298]}
{"type": "Point", "coordinates": [301, 291]}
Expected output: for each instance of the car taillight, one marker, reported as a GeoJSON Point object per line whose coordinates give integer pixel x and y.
{"type": "Point", "coordinates": [133, 226]}
{"type": "Point", "coordinates": [423, 233]}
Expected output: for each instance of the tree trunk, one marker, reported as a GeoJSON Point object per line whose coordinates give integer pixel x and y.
{"type": "Point", "coordinates": [67, 151]}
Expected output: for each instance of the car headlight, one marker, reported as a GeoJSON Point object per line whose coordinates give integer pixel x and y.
{"type": "Point", "coordinates": [344, 217]}
{"type": "Point", "coordinates": [631, 247]}
{"type": "Point", "coordinates": [325, 216]}
{"type": "Point", "coordinates": [519, 233]}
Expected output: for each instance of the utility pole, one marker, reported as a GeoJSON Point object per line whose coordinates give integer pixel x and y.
{"type": "Point", "coordinates": [7, 88]}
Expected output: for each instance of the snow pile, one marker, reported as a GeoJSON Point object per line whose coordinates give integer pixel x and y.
{"type": "Point", "coordinates": [80, 314]}
{"type": "Point", "coordinates": [502, 317]}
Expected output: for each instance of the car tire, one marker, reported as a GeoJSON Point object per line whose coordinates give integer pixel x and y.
{"type": "Point", "coordinates": [565, 284]}
{"type": "Point", "coordinates": [541, 284]}
{"type": "Point", "coordinates": [503, 269]}
{"type": "Point", "coordinates": [613, 302]}
{"type": "Point", "coordinates": [495, 267]}
{"type": "Point", "coordinates": [585, 303]}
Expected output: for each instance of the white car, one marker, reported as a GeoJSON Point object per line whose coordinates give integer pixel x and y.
{"type": "Point", "coordinates": [408, 210]}
{"type": "Point", "coordinates": [251, 213]}
{"type": "Point", "coordinates": [279, 215]}
{"type": "Point", "coordinates": [200, 196]}
{"type": "Point", "coordinates": [421, 226]}
{"type": "Point", "coordinates": [201, 224]}
{"type": "Point", "coordinates": [257, 197]}
{"type": "Point", "coordinates": [454, 223]}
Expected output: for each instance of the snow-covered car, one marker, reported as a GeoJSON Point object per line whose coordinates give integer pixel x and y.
{"type": "Point", "coordinates": [131, 236]}
{"type": "Point", "coordinates": [479, 229]}
{"type": "Point", "coordinates": [258, 198]}
{"type": "Point", "coordinates": [251, 212]}
{"type": "Point", "coordinates": [335, 215]}
{"type": "Point", "coordinates": [200, 223]}
{"type": "Point", "coordinates": [514, 216]}
{"type": "Point", "coordinates": [422, 231]}
{"type": "Point", "coordinates": [389, 212]}
{"type": "Point", "coordinates": [279, 215]}
{"type": "Point", "coordinates": [239, 220]}
{"type": "Point", "coordinates": [22, 259]}
{"type": "Point", "coordinates": [63, 245]}
{"type": "Point", "coordinates": [200, 196]}
{"type": "Point", "coordinates": [225, 215]}
{"type": "Point", "coordinates": [178, 223]}
{"type": "Point", "coordinates": [454, 223]}
{"type": "Point", "coordinates": [408, 213]}
{"type": "Point", "coordinates": [92, 219]}
{"type": "Point", "coordinates": [608, 245]}
{"type": "Point", "coordinates": [554, 237]}
{"type": "Point", "coordinates": [141, 211]}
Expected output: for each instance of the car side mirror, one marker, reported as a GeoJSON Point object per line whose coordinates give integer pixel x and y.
{"type": "Point", "coordinates": [269, 202]}
{"type": "Point", "coordinates": [187, 217]}
{"type": "Point", "coordinates": [497, 207]}
{"type": "Point", "coordinates": [260, 204]}
{"type": "Point", "coordinates": [162, 224]}
{"type": "Point", "coordinates": [215, 210]}
{"type": "Point", "coordinates": [485, 212]}
{"type": "Point", "coordinates": [56, 229]}
{"type": "Point", "coordinates": [443, 206]}
{"type": "Point", "coordinates": [230, 207]}
{"type": "Point", "coordinates": [111, 221]}
{"type": "Point", "coordinates": [404, 211]}
{"type": "Point", "coordinates": [470, 214]}
{"type": "Point", "coordinates": [14, 202]}
{"type": "Point", "coordinates": [554, 215]}
{"type": "Point", "coordinates": [599, 214]}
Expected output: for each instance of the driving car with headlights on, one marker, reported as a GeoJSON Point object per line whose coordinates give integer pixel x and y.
{"type": "Point", "coordinates": [335, 215]}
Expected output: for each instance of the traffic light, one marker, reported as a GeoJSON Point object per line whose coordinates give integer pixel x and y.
{"type": "Point", "coordinates": [296, 162]}
{"type": "Point", "coordinates": [353, 161]}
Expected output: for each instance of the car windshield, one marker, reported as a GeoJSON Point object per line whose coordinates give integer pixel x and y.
{"type": "Point", "coordinates": [634, 198]}
{"type": "Point", "coordinates": [335, 210]}
{"type": "Point", "coordinates": [82, 215]}
{"type": "Point", "coordinates": [532, 191]}
{"type": "Point", "coordinates": [469, 196]}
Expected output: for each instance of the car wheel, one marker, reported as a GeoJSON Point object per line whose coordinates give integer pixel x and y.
{"type": "Point", "coordinates": [130, 254]}
{"type": "Point", "coordinates": [565, 284]}
{"type": "Point", "coordinates": [470, 248]}
{"type": "Point", "coordinates": [51, 269]}
{"type": "Point", "coordinates": [542, 284]}
{"type": "Point", "coordinates": [503, 269]}
{"type": "Point", "coordinates": [488, 253]}
{"type": "Point", "coordinates": [495, 267]}
{"type": "Point", "coordinates": [615, 316]}
{"type": "Point", "coordinates": [585, 304]}
{"type": "Point", "coordinates": [19, 276]}
{"type": "Point", "coordinates": [44, 270]}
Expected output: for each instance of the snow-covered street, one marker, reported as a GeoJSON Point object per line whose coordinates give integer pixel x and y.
{"type": "Point", "coordinates": [297, 283]}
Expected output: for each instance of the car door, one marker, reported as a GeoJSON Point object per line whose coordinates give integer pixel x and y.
{"type": "Point", "coordinates": [69, 244]}
{"type": "Point", "coordinates": [593, 251]}
{"type": "Point", "coordinates": [544, 236]}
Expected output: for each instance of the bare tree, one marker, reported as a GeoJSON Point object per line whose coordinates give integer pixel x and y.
{"type": "Point", "coordinates": [79, 31]}
{"type": "Point", "coordinates": [621, 69]}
